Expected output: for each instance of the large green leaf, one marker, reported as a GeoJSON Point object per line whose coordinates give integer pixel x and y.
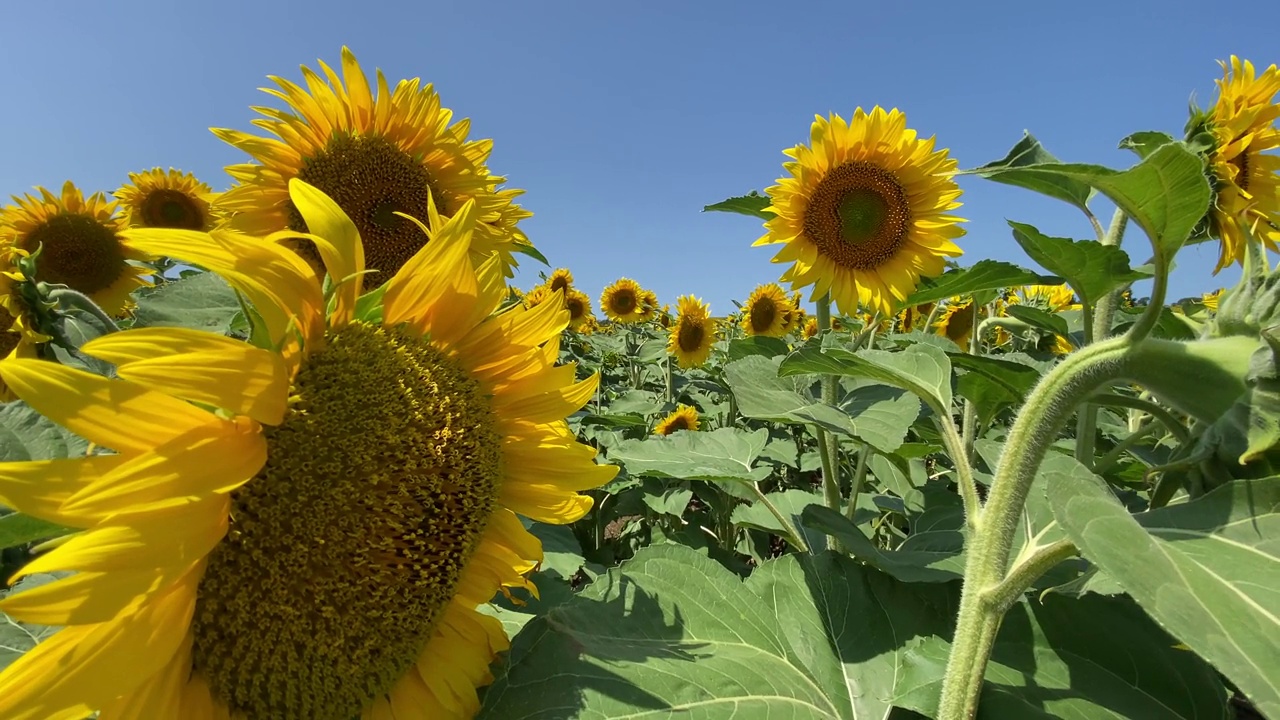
{"type": "Point", "coordinates": [925, 565]}
{"type": "Point", "coordinates": [674, 634]}
{"type": "Point", "coordinates": [756, 345]}
{"type": "Point", "coordinates": [791, 503]}
{"type": "Point", "coordinates": [982, 275]}
{"type": "Point", "coordinates": [1207, 570]}
{"type": "Point", "coordinates": [725, 454]}
{"type": "Point", "coordinates": [1166, 193]}
{"type": "Point", "coordinates": [1010, 170]}
{"type": "Point", "coordinates": [877, 415]}
{"type": "Point", "coordinates": [921, 369]}
{"type": "Point", "coordinates": [1145, 142]}
{"type": "Point", "coordinates": [1090, 658]}
{"type": "Point", "coordinates": [1018, 373]}
{"type": "Point", "coordinates": [1091, 268]}
{"type": "Point", "coordinates": [203, 301]}
{"type": "Point", "coordinates": [1039, 319]}
{"type": "Point", "coordinates": [19, 529]}
{"type": "Point", "coordinates": [753, 204]}
{"type": "Point", "coordinates": [27, 435]}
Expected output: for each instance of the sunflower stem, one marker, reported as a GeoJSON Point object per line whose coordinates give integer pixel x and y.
{"type": "Point", "coordinates": [855, 485]}
{"type": "Point", "coordinates": [670, 380]}
{"type": "Point", "coordinates": [67, 297]}
{"type": "Point", "coordinates": [969, 420]}
{"type": "Point", "coordinates": [1097, 325]}
{"type": "Point", "coordinates": [796, 538]}
{"type": "Point", "coordinates": [1108, 461]}
{"type": "Point", "coordinates": [1047, 409]}
{"type": "Point", "coordinates": [828, 446]}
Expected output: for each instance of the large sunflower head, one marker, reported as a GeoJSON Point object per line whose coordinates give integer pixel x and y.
{"type": "Point", "coordinates": [684, 417]}
{"type": "Point", "coordinates": [380, 155]}
{"type": "Point", "coordinates": [691, 336]}
{"type": "Point", "coordinates": [79, 242]}
{"type": "Point", "coordinates": [766, 311]}
{"type": "Point", "coordinates": [303, 528]}
{"type": "Point", "coordinates": [1242, 125]}
{"type": "Point", "coordinates": [623, 301]}
{"type": "Point", "coordinates": [865, 211]}
{"type": "Point", "coordinates": [578, 304]}
{"type": "Point", "coordinates": [160, 199]}
{"type": "Point", "coordinates": [956, 323]}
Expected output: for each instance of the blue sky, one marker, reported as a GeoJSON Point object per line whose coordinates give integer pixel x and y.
{"type": "Point", "coordinates": [622, 120]}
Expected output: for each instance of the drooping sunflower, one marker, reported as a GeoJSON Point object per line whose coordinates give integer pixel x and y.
{"type": "Point", "coordinates": [303, 529]}
{"type": "Point", "coordinates": [1053, 298]}
{"type": "Point", "coordinates": [377, 153]}
{"type": "Point", "coordinates": [684, 417]}
{"type": "Point", "coordinates": [690, 338]}
{"type": "Point", "coordinates": [160, 199]}
{"type": "Point", "coordinates": [560, 279]}
{"type": "Point", "coordinates": [648, 305]}
{"type": "Point", "coordinates": [80, 244]}
{"type": "Point", "coordinates": [578, 304]}
{"type": "Point", "coordinates": [622, 301]}
{"type": "Point", "coordinates": [18, 337]}
{"type": "Point", "coordinates": [765, 312]}
{"type": "Point", "coordinates": [1246, 171]}
{"type": "Point", "coordinates": [956, 323]}
{"type": "Point", "coordinates": [865, 211]}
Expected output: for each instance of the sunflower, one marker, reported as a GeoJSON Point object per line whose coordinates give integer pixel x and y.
{"type": "Point", "coordinates": [160, 199]}
{"type": "Point", "coordinates": [1053, 298]}
{"type": "Point", "coordinates": [912, 317]}
{"type": "Point", "coordinates": [956, 323]}
{"type": "Point", "coordinates": [648, 305]}
{"type": "Point", "coordinates": [18, 338]}
{"type": "Point", "coordinates": [80, 244]}
{"type": "Point", "coordinates": [765, 312]}
{"type": "Point", "coordinates": [811, 327]}
{"type": "Point", "coordinates": [376, 152]}
{"type": "Point", "coordinates": [684, 417]}
{"type": "Point", "coordinates": [303, 529]}
{"type": "Point", "coordinates": [621, 301]}
{"type": "Point", "coordinates": [561, 279]}
{"type": "Point", "coordinates": [865, 212]}
{"type": "Point", "coordinates": [694, 332]}
{"type": "Point", "coordinates": [1210, 300]}
{"type": "Point", "coordinates": [1242, 123]}
{"type": "Point", "coordinates": [536, 296]}
{"type": "Point", "coordinates": [578, 304]}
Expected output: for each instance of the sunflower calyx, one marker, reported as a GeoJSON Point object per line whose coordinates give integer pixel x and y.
{"type": "Point", "coordinates": [1248, 308]}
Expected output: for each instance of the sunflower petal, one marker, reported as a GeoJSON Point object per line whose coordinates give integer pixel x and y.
{"type": "Point", "coordinates": [342, 250]}
{"type": "Point", "coordinates": [159, 696]}
{"type": "Point", "coordinates": [439, 266]}
{"type": "Point", "coordinates": [40, 487]}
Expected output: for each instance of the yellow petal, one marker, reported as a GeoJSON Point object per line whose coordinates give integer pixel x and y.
{"type": "Point", "coordinates": [90, 597]}
{"type": "Point", "coordinates": [341, 249]}
{"type": "Point", "coordinates": [438, 267]}
{"type": "Point", "coordinates": [545, 503]}
{"type": "Point", "coordinates": [88, 666]}
{"type": "Point", "coordinates": [197, 700]}
{"type": "Point", "coordinates": [40, 487]}
{"type": "Point", "coordinates": [174, 535]}
{"type": "Point", "coordinates": [549, 405]}
{"type": "Point", "coordinates": [202, 367]}
{"type": "Point", "coordinates": [118, 414]}
{"type": "Point", "coordinates": [159, 696]}
{"type": "Point", "coordinates": [195, 465]}
{"type": "Point", "coordinates": [410, 698]}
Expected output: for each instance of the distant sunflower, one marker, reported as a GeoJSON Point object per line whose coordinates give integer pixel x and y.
{"type": "Point", "coordinates": [694, 332]}
{"type": "Point", "coordinates": [621, 301]}
{"type": "Point", "coordinates": [648, 305]}
{"type": "Point", "coordinates": [561, 279]}
{"type": "Point", "coordinates": [1053, 298]}
{"type": "Point", "coordinates": [578, 304]}
{"type": "Point", "coordinates": [1210, 300]}
{"type": "Point", "coordinates": [811, 327]}
{"type": "Point", "coordinates": [377, 153]}
{"type": "Point", "coordinates": [80, 242]}
{"type": "Point", "coordinates": [912, 317]}
{"type": "Point", "coordinates": [1242, 123]}
{"type": "Point", "coordinates": [884, 324]}
{"type": "Point", "coordinates": [536, 296]}
{"type": "Point", "coordinates": [765, 312]}
{"type": "Point", "coordinates": [956, 323]}
{"type": "Point", "coordinates": [684, 417]}
{"type": "Point", "coordinates": [865, 211]}
{"type": "Point", "coordinates": [18, 338]}
{"type": "Point", "coordinates": [160, 199]}
{"type": "Point", "coordinates": [303, 529]}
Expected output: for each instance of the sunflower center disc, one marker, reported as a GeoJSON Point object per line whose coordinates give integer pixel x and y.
{"type": "Point", "coordinates": [171, 209]}
{"type": "Point", "coordinates": [79, 252]}
{"type": "Point", "coordinates": [371, 180]}
{"type": "Point", "coordinates": [763, 312]}
{"type": "Point", "coordinates": [624, 302]}
{"type": "Point", "coordinates": [858, 216]}
{"type": "Point", "coordinates": [347, 546]}
{"type": "Point", "coordinates": [576, 309]}
{"type": "Point", "coordinates": [690, 336]}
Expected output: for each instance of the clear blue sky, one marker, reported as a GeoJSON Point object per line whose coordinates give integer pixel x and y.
{"type": "Point", "coordinates": [622, 120]}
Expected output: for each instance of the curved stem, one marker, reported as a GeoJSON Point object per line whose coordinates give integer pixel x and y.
{"type": "Point", "coordinates": [859, 474]}
{"type": "Point", "coordinates": [1175, 426]}
{"type": "Point", "coordinates": [1037, 426]}
{"type": "Point", "coordinates": [1151, 314]}
{"type": "Point", "coordinates": [80, 301]}
{"type": "Point", "coordinates": [964, 470]}
{"type": "Point", "coordinates": [1106, 462]}
{"type": "Point", "coordinates": [1024, 574]}
{"type": "Point", "coordinates": [1105, 312]}
{"type": "Point", "coordinates": [796, 538]}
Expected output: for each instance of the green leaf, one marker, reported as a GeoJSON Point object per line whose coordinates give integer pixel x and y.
{"type": "Point", "coordinates": [27, 435]}
{"type": "Point", "coordinates": [16, 638]}
{"type": "Point", "coordinates": [1145, 142]}
{"type": "Point", "coordinates": [753, 204]}
{"type": "Point", "coordinates": [1059, 657]}
{"type": "Point", "coordinates": [757, 345]}
{"type": "Point", "coordinates": [1012, 169]}
{"type": "Point", "coordinates": [906, 565]}
{"type": "Point", "coordinates": [1091, 268]}
{"type": "Point", "coordinates": [877, 415]}
{"type": "Point", "coordinates": [1207, 570]}
{"type": "Point", "coordinates": [790, 503]}
{"type": "Point", "coordinates": [722, 455]}
{"type": "Point", "coordinates": [531, 251]}
{"type": "Point", "coordinates": [674, 634]}
{"type": "Point", "coordinates": [561, 553]}
{"type": "Point", "coordinates": [203, 301]}
{"type": "Point", "coordinates": [1039, 319]}
{"type": "Point", "coordinates": [19, 529]}
{"type": "Point", "coordinates": [921, 369]}
{"type": "Point", "coordinates": [1017, 377]}
{"type": "Point", "coordinates": [982, 275]}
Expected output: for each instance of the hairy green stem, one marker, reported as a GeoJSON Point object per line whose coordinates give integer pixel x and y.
{"type": "Point", "coordinates": [1108, 461]}
{"type": "Point", "coordinates": [66, 296]}
{"type": "Point", "coordinates": [828, 446]}
{"type": "Point", "coordinates": [1003, 596]}
{"type": "Point", "coordinates": [796, 538]}
{"type": "Point", "coordinates": [1105, 312]}
{"type": "Point", "coordinates": [964, 469]}
{"type": "Point", "coordinates": [855, 485]}
{"type": "Point", "coordinates": [969, 420]}
{"type": "Point", "coordinates": [1047, 409]}
{"type": "Point", "coordinates": [670, 380]}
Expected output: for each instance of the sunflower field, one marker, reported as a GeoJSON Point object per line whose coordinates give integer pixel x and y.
{"type": "Point", "coordinates": [303, 449]}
